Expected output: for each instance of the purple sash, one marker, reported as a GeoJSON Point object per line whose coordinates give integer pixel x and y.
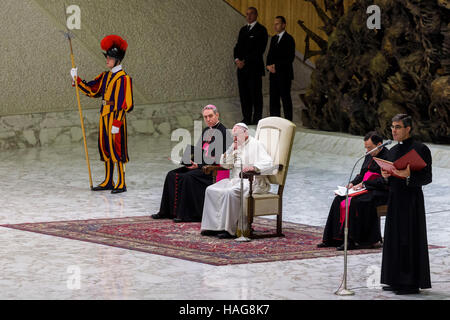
{"type": "Point", "coordinates": [368, 176]}
{"type": "Point", "coordinates": [222, 174]}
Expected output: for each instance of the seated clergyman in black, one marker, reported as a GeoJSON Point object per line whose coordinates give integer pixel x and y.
{"type": "Point", "coordinates": [184, 188]}
{"type": "Point", "coordinates": [363, 222]}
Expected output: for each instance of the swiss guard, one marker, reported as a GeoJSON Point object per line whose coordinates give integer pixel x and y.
{"type": "Point", "coordinates": [116, 90]}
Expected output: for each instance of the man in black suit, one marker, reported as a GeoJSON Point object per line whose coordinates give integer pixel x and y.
{"type": "Point", "coordinates": [248, 57]}
{"type": "Point", "coordinates": [279, 63]}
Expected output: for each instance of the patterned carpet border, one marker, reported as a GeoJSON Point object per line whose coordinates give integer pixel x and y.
{"type": "Point", "coordinates": [183, 240]}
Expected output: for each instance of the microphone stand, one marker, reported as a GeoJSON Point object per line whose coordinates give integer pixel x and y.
{"type": "Point", "coordinates": [343, 291]}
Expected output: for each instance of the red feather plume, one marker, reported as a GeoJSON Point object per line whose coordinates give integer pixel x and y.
{"type": "Point", "coordinates": [113, 40]}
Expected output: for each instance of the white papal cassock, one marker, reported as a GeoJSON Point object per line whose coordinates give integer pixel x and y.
{"type": "Point", "coordinates": [221, 210]}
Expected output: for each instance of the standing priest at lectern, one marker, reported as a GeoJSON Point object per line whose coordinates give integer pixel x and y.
{"type": "Point", "coordinates": [405, 265]}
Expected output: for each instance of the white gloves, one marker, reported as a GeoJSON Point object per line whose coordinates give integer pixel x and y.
{"type": "Point", "coordinates": [115, 130]}
{"type": "Point", "coordinates": [74, 74]}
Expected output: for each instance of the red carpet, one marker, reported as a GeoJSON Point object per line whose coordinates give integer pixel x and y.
{"type": "Point", "coordinates": [183, 240]}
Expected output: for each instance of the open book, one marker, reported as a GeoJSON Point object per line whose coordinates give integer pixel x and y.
{"type": "Point", "coordinates": [412, 158]}
{"type": "Point", "coordinates": [341, 191]}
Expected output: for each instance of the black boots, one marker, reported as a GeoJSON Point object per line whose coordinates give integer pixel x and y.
{"type": "Point", "coordinates": [108, 183]}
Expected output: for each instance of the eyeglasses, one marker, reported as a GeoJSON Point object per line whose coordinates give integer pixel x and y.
{"type": "Point", "coordinates": [397, 127]}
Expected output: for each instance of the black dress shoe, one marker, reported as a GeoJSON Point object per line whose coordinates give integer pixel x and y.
{"type": "Point", "coordinates": [100, 188]}
{"type": "Point", "coordinates": [119, 190]}
{"type": "Point", "coordinates": [209, 232]}
{"type": "Point", "coordinates": [324, 245]}
{"type": "Point", "coordinates": [225, 235]}
{"type": "Point", "coordinates": [407, 291]}
{"type": "Point", "coordinates": [389, 288]}
{"type": "Point", "coordinates": [158, 216]}
{"type": "Point", "coordinates": [178, 220]}
{"type": "Point", "coordinates": [350, 246]}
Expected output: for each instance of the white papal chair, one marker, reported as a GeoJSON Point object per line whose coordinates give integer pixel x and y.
{"type": "Point", "coordinates": [277, 135]}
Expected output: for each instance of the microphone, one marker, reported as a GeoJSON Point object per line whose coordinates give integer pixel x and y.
{"type": "Point", "coordinates": [379, 147]}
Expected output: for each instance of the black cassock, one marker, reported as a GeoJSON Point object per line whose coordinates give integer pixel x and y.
{"type": "Point", "coordinates": [405, 252]}
{"type": "Point", "coordinates": [184, 189]}
{"type": "Point", "coordinates": [363, 221]}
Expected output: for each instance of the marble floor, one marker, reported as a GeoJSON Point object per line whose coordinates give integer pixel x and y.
{"type": "Point", "coordinates": [50, 184]}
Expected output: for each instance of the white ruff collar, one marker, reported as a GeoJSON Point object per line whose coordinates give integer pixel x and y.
{"type": "Point", "coordinates": [116, 68]}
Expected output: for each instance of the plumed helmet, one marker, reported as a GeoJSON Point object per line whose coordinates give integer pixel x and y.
{"type": "Point", "coordinates": [114, 46]}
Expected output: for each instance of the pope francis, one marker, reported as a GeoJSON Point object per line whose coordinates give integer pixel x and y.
{"type": "Point", "coordinates": [221, 210]}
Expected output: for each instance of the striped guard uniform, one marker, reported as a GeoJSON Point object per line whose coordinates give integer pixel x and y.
{"type": "Point", "coordinates": [116, 90]}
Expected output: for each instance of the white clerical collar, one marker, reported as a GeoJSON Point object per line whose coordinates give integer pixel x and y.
{"type": "Point", "coordinates": [405, 140]}
{"type": "Point", "coordinates": [251, 25]}
{"type": "Point", "coordinates": [215, 125]}
{"type": "Point", "coordinates": [281, 35]}
{"type": "Point", "coordinates": [116, 68]}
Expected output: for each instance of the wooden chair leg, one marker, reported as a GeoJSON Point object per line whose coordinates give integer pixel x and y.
{"type": "Point", "coordinates": [250, 216]}
{"type": "Point", "coordinates": [280, 210]}
{"type": "Point", "coordinates": [279, 225]}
